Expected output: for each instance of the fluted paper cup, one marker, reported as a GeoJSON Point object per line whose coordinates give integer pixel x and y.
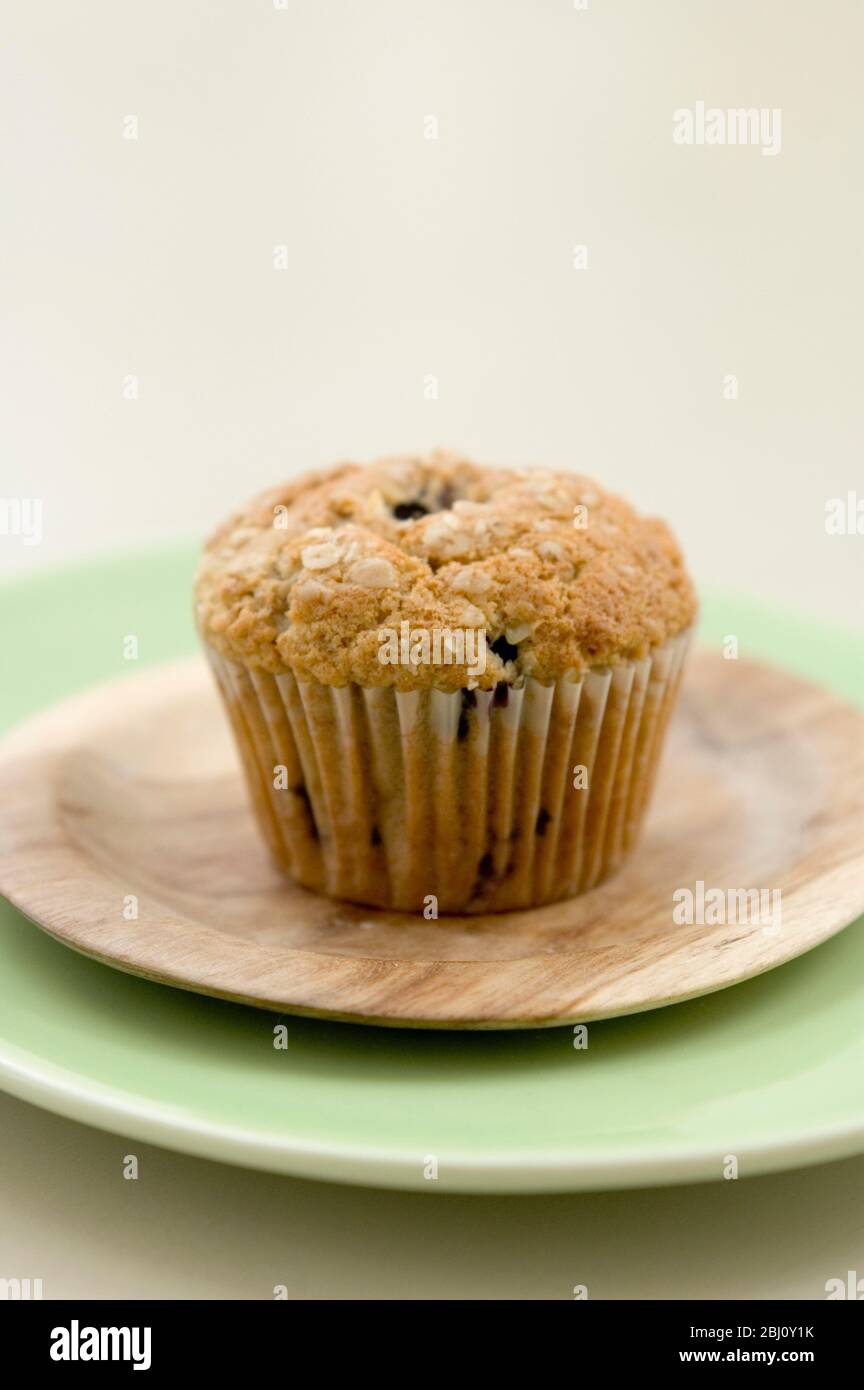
{"type": "Point", "coordinates": [476, 801]}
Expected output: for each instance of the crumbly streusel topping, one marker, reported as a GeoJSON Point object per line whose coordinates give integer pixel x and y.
{"type": "Point", "coordinates": [558, 574]}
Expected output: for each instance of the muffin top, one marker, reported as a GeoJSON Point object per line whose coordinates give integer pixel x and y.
{"type": "Point", "coordinates": [435, 571]}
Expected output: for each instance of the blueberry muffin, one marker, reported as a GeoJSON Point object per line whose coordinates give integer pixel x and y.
{"type": "Point", "coordinates": [449, 683]}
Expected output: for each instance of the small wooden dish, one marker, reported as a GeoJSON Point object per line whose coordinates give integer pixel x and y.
{"type": "Point", "coordinates": [128, 800]}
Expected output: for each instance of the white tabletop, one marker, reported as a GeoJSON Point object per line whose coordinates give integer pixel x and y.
{"type": "Point", "coordinates": [191, 1229]}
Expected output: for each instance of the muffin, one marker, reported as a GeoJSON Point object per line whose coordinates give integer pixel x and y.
{"type": "Point", "coordinates": [449, 684]}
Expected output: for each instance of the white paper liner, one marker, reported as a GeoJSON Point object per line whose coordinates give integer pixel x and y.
{"type": "Point", "coordinates": [392, 799]}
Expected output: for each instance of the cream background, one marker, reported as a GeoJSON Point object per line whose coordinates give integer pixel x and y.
{"type": "Point", "coordinates": [303, 126]}
{"type": "Point", "coordinates": [407, 257]}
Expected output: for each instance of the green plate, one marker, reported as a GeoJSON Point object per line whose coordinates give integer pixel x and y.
{"type": "Point", "coordinates": [768, 1072]}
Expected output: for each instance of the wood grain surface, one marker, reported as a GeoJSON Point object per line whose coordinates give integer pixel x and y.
{"type": "Point", "coordinates": [129, 797]}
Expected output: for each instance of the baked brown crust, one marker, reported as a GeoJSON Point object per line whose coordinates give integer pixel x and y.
{"type": "Point", "coordinates": [309, 575]}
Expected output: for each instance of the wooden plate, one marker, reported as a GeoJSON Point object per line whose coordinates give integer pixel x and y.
{"type": "Point", "coordinates": [128, 800]}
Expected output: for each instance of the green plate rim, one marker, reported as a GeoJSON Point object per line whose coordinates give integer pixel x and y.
{"type": "Point", "coordinates": [32, 1078]}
